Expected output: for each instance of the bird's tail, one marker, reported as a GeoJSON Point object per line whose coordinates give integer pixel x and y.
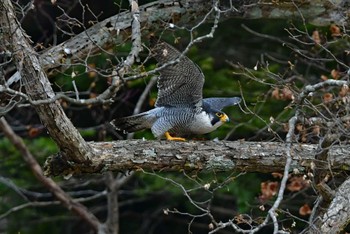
{"type": "Point", "coordinates": [132, 123]}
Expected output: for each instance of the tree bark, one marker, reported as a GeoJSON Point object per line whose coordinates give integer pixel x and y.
{"type": "Point", "coordinates": [60, 128]}
{"type": "Point", "coordinates": [338, 214]}
{"type": "Point", "coordinates": [199, 155]}
{"type": "Point", "coordinates": [77, 156]}
{"type": "Point", "coordinates": [187, 13]}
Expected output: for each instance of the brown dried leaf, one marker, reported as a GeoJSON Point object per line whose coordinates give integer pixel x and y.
{"type": "Point", "coordinates": [323, 77]}
{"type": "Point", "coordinates": [276, 94]}
{"type": "Point", "coordinates": [287, 94]}
{"type": "Point", "coordinates": [297, 183]}
{"type": "Point", "coordinates": [299, 127]}
{"type": "Point", "coordinates": [335, 74]}
{"type": "Point", "coordinates": [327, 98]}
{"type": "Point", "coordinates": [305, 210]}
{"type": "Point", "coordinates": [268, 190]}
{"type": "Point", "coordinates": [335, 30]}
{"type": "Point", "coordinates": [33, 132]}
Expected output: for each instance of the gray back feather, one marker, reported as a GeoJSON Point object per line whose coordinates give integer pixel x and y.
{"type": "Point", "coordinates": [220, 103]}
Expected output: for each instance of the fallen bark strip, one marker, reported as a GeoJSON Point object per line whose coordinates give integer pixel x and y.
{"type": "Point", "coordinates": [197, 155]}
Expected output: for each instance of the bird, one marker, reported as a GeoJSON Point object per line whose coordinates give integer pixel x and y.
{"type": "Point", "coordinates": [180, 110]}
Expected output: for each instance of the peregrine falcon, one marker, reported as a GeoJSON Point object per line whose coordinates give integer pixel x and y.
{"type": "Point", "coordinates": [180, 109]}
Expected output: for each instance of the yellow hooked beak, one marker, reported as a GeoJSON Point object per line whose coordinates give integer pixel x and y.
{"type": "Point", "coordinates": [224, 118]}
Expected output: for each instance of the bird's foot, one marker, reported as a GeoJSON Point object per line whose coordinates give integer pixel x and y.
{"type": "Point", "coordinates": [170, 138]}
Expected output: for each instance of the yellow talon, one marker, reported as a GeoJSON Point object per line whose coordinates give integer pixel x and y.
{"type": "Point", "coordinates": [170, 138]}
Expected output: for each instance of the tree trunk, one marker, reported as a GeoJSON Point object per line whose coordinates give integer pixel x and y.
{"type": "Point", "coordinates": [37, 86]}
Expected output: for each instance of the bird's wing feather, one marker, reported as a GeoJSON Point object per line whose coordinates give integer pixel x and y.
{"type": "Point", "coordinates": [180, 84]}
{"type": "Point", "coordinates": [220, 103]}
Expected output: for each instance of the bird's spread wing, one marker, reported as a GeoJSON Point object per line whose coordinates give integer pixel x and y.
{"type": "Point", "coordinates": [220, 103]}
{"type": "Point", "coordinates": [180, 84]}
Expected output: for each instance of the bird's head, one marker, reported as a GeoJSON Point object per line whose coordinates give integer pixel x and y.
{"type": "Point", "coordinates": [218, 118]}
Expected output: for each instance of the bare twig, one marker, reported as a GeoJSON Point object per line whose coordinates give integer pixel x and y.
{"type": "Point", "coordinates": [63, 197]}
{"type": "Point", "coordinates": [114, 184]}
{"type": "Point", "coordinates": [38, 87]}
{"type": "Point", "coordinates": [100, 99]}
{"type": "Point", "coordinates": [289, 141]}
{"type": "Point", "coordinates": [50, 203]}
{"type": "Point", "coordinates": [14, 187]}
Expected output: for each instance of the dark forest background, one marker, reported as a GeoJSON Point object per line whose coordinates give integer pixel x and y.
{"type": "Point", "coordinates": [263, 49]}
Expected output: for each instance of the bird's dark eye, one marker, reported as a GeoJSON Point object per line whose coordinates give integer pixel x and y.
{"type": "Point", "coordinates": [219, 114]}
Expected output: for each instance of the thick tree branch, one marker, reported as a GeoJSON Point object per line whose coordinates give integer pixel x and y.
{"type": "Point", "coordinates": [117, 27]}
{"type": "Point", "coordinates": [38, 86]}
{"type": "Point", "coordinates": [105, 33]}
{"type": "Point", "coordinates": [199, 155]}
